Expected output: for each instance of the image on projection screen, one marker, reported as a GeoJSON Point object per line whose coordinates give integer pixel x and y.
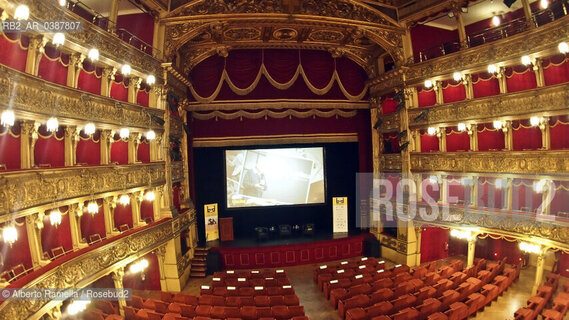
{"type": "Point", "coordinates": [273, 177]}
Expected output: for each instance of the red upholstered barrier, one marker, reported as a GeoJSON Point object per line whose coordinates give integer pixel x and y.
{"type": "Point", "coordinates": [429, 143]}
{"type": "Point", "coordinates": [147, 210]}
{"type": "Point", "coordinates": [520, 78]}
{"type": "Point", "coordinates": [93, 223]}
{"type": "Point", "coordinates": [456, 140]}
{"type": "Point", "coordinates": [290, 255]}
{"type": "Point", "coordinates": [559, 129]}
{"type": "Point", "coordinates": [49, 148]}
{"type": "Point", "coordinates": [490, 138]}
{"type": "Point", "coordinates": [123, 215]}
{"type": "Point", "coordinates": [56, 236]}
{"type": "Point", "coordinates": [453, 91]}
{"type": "Point", "coordinates": [556, 70]}
{"type": "Point", "coordinates": [525, 136]}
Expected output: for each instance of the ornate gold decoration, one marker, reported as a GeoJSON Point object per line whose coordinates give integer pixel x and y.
{"type": "Point", "coordinates": [177, 171]}
{"type": "Point", "coordinates": [390, 122]}
{"type": "Point", "coordinates": [30, 96]}
{"type": "Point", "coordinates": [275, 139]}
{"type": "Point", "coordinates": [391, 162]}
{"type": "Point", "coordinates": [534, 162]}
{"type": "Point", "coordinates": [20, 190]}
{"type": "Point", "coordinates": [242, 33]}
{"type": "Point", "coordinates": [326, 36]}
{"type": "Point", "coordinates": [176, 129]}
{"type": "Point", "coordinates": [86, 268]}
{"type": "Point", "coordinates": [285, 34]}
{"type": "Point", "coordinates": [544, 100]}
{"type": "Point", "coordinates": [274, 114]}
{"type": "Point", "coordinates": [274, 105]}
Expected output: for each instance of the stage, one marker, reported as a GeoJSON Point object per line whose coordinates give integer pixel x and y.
{"type": "Point", "coordinates": [251, 254]}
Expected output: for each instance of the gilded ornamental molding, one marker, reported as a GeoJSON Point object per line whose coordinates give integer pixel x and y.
{"type": "Point", "coordinates": [550, 99]}
{"type": "Point", "coordinates": [32, 97]}
{"type": "Point", "coordinates": [176, 127]}
{"type": "Point", "coordinates": [530, 162]}
{"type": "Point", "coordinates": [177, 171]}
{"type": "Point", "coordinates": [390, 122]}
{"type": "Point", "coordinates": [22, 190]}
{"type": "Point", "coordinates": [391, 162]}
{"type": "Point", "coordinates": [88, 267]}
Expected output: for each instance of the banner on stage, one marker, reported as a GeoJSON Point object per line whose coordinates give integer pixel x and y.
{"type": "Point", "coordinates": [211, 222]}
{"type": "Point", "coordinates": [340, 214]}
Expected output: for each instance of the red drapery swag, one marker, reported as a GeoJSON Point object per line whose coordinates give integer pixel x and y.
{"type": "Point", "coordinates": [456, 140]}
{"type": "Point", "coordinates": [433, 241]}
{"type": "Point", "coordinates": [93, 223]}
{"type": "Point", "coordinates": [89, 149]}
{"type": "Point", "coordinates": [556, 70]}
{"type": "Point", "coordinates": [53, 66]}
{"type": "Point", "coordinates": [426, 97]}
{"type": "Point", "coordinates": [244, 71]}
{"type": "Point", "coordinates": [49, 148]}
{"type": "Point", "coordinates": [453, 91]}
{"type": "Point", "coordinates": [119, 150]}
{"type": "Point", "coordinates": [10, 147]}
{"type": "Point", "coordinates": [60, 236]}
{"type": "Point", "coordinates": [485, 85]}
{"type": "Point", "coordinates": [90, 78]}
{"type": "Point", "coordinates": [390, 143]}
{"type": "Point", "coordinates": [19, 252]}
{"type": "Point", "coordinates": [123, 215]}
{"type": "Point", "coordinates": [525, 136]}
{"type": "Point", "coordinates": [497, 249]}
{"type": "Point", "coordinates": [119, 88]}
{"type": "Point", "coordinates": [143, 152]}
{"type": "Point", "coordinates": [429, 143]}
{"type": "Point", "coordinates": [490, 138]}
{"type": "Point", "coordinates": [14, 51]}
{"type": "Point", "coordinates": [559, 130]}
{"type": "Point", "coordinates": [520, 78]}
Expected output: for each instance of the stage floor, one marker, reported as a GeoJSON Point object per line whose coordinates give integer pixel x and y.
{"type": "Point", "coordinates": [293, 239]}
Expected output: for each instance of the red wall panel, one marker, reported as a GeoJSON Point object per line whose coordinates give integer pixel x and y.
{"type": "Point", "coordinates": [559, 130]}
{"type": "Point", "coordinates": [453, 91]}
{"type": "Point", "coordinates": [10, 146]}
{"type": "Point", "coordinates": [89, 149]}
{"type": "Point", "coordinates": [19, 252]}
{"type": "Point", "coordinates": [490, 138]}
{"type": "Point", "coordinates": [53, 237]}
{"type": "Point", "coordinates": [119, 151]}
{"type": "Point", "coordinates": [93, 223]}
{"type": "Point", "coordinates": [123, 215]}
{"type": "Point", "coordinates": [144, 152]}
{"type": "Point", "coordinates": [457, 141]}
{"type": "Point", "coordinates": [519, 78]}
{"type": "Point", "coordinates": [525, 136]}
{"type": "Point", "coordinates": [432, 244]}
{"type": "Point", "coordinates": [556, 70]}
{"type": "Point", "coordinates": [484, 85]}
{"type": "Point", "coordinates": [49, 148]}
{"type": "Point", "coordinates": [14, 51]}
{"type": "Point", "coordinates": [53, 66]}
{"type": "Point", "coordinates": [429, 143]}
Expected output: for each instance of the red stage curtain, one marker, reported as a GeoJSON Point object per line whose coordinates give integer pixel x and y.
{"type": "Point", "coordinates": [143, 151]}
{"type": "Point", "coordinates": [484, 85]}
{"type": "Point", "coordinates": [53, 237]}
{"type": "Point", "coordinates": [457, 193]}
{"type": "Point", "coordinates": [559, 130]}
{"type": "Point", "coordinates": [119, 88]}
{"type": "Point", "coordinates": [281, 64]}
{"type": "Point", "coordinates": [243, 67]}
{"type": "Point", "coordinates": [560, 202]}
{"type": "Point", "coordinates": [496, 249]}
{"type": "Point", "coordinates": [176, 195]}
{"type": "Point", "coordinates": [49, 148]}
{"type": "Point", "coordinates": [147, 210]}
{"type": "Point", "coordinates": [520, 78]}
{"type": "Point", "coordinates": [427, 97]}
{"type": "Point", "coordinates": [14, 51]}
{"type": "Point", "coordinates": [556, 70]}
{"type": "Point", "coordinates": [526, 137]}
{"type": "Point", "coordinates": [10, 146]}
{"type": "Point", "coordinates": [351, 75]}
{"type": "Point", "coordinates": [19, 252]}
{"type": "Point", "coordinates": [53, 66]}
{"type": "Point", "coordinates": [142, 97]}
{"type": "Point", "coordinates": [457, 141]}
{"type": "Point", "coordinates": [319, 67]}
{"type": "Point", "coordinates": [524, 198]}
{"type": "Point", "coordinates": [489, 196]}
{"type": "Point", "coordinates": [89, 149]}
{"type": "Point", "coordinates": [123, 215]}
{"type": "Point", "coordinates": [93, 223]}
{"type": "Point", "coordinates": [490, 139]}
{"type": "Point", "coordinates": [119, 150]}
{"type": "Point", "coordinates": [433, 241]}
{"type": "Point", "coordinates": [431, 192]}
{"type": "Point", "coordinates": [429, 143]}
{"type": "Point", "coordinates": [390, 143]}
{"type": "Point", "coordinates": [151, 275]}
{"type": "Point", "coordinates": [453, 91]}
{"type": "Point", "coordinates": [206, 75]}
{"type": "Point", "coordinates": [90, 78]}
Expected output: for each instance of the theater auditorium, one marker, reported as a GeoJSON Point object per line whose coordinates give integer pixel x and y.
{"type": "Point", "coordinates": [284, 159]}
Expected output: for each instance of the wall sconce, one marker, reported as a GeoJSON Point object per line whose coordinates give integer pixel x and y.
{"type": "Point", "coordinates": [428, 84]}
{"type": "Point", "coordinates": [139, 266]}
{"type": "Point", "coordinates": [124, 200]}
{"type": "Point", "coordinates": [431, 131]}
{"type": "Point", "coordinates": [77, 306]}
{"type": "Point", "coordinates": [124, 133]}
{"type": "Point", "coordinates": [8, 118]}
{"type": "Point", "coordinates": [461, 234]}
{"type": "Point", "coordinates": [55, 217]}
{"type": "Point", "coordinates": [10, 234]}
{"type": "Point", "coordinates": [22, 12]}
{"type": "Point", "coordinates": [529, 247]}
{"type": "Point", "coordinates": [149, 196]}
{"type": "Point", "coordinates": [492, 68]}
{"type": "Point", "coordinates": [52, 124]}
{"type": "Point", "coordinates": [500, 183]}
{"type": "Point", "coordinates": [457, 76]}
{"type": "Point", "coordinates": [92, 207]}
{"type": "Point", "coordinates": [93, 55]}
{"type": "Point", "coordinates": [539, 186]}
{"type": "Point", "coordinates": [461, 127]}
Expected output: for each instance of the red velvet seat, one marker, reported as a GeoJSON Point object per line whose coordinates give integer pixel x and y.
{"type": "Point", "coordinates": [448, 297]}
{"type": "Point", "coordinates": [437, 316]}
{"type": "Point", "coordinates": [175, 307]}
{"type": "Point", "coordinates": [381, 295]}
{"type": "Point", "coordinates": [276, 301]}
{"type": "Point", "coordinates": [246, 291]}
{"type": "Point", "coordinates": [430, 305]}
{"type": "Point", "coordinates": [406, 314]}
{"type": "Point", "coordinates": [446, 271]}
{"type": "Point", "coordinates": [378, 309]}
{"type": "Point", "coordinates": [356, 314]}
{"type": "Point", "coordinates": [147, 314]}
{"type": "Point", "coordinates": [185, 299]}
{"type": "Point", "coordinates": [475, 302]}
{"type": "Point", "coordinates": [232, 312]}
{"type": "Point", "coordinates": [442, 286]}
{"type": "Point", "coordinates": [280, 312]}
{"type": "Point", "coordinates": [382, 283]}
{"type": "Point", "coordinates": [166, 296]}
{"type": "Point", "coordinates": [457, 311]}
{"type": "Point", "coordinates": [431, 278]}
{"type": "Point", "coordinates": [491, 292]}
{"type": "Point", "coordinates": [523, 314]}
{"type": "Point", "coordinates": [383, 317]}
{"type": "Point", "coordinates": [129, 313]}
{"type": "Point", "coordinates": [264, 312]}
{"type": "Point", "coordinates": [262, 301]}
{"type": "Point", "coordinates": [291, 300]}
{"type": "Point", "coordinates": [95, 314]}
{"type": "Point", "coordinates": [106, 306]}
{"type": "Point", "coordinates": [296, 311]}
{"type": "Point", "coordinates": [403, 288]}
{"type": "Point", "coordinates": [401, 277]}
{"type": "Point", "coordinates": [419, 272]}
{"type": "Point", "coordinates": [403, 302]}
{"type": "Point", "coordinates": [171, 316]}
{"type": "Point", "coordinates": [217, 312]}
{"type": "Point", "coordinates": [188, 311]}
{"type": "Point", "coordinates": [203, 310]}
{"type": "Point", "coordinates": [249, 313]}
{"type": "Point", "coordinates": [247, 301]}
{"type": "Point", "coordinates": [342, 294]}
{"type": "Point", "coordinates": [233, 301]}
{"type": "Point", "coordinates": [476, 283]}
{"type": "Point", "coordinates": [354, 302]}
{"type": "Point", "coordinates": [425, 293]}
{"type": "Point", "coordinates": [135, 302]}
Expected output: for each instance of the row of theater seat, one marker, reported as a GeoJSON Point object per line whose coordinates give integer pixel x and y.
{"type": "Point", "coordinates": [253, 282]}
{"type": "Point", "coordinates": [538, 302]}
{"type": "Point", "coordinates": [560, 305]}
{"type": "Point", "coordinates": [251, 274]}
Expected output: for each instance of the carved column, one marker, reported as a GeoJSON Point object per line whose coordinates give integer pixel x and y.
{"type": "Point", "coordinates": [461, 28]}
{"type": "Point", "coordinates": [154, 96]}
{"type": "Point", "coordinates": [28, 138]}
{"type": "Point", "coordinates": [75, 213]}
{"type": "Point", "coordinates": [438, 88]}
{"type": "Point", "coordinates": [170, 265]}
{"type": "Point", "coordinates": [538, 271]}
{"type": "Point", "coordinates": [135, 202]}
{"type": "Point", "coordinates": [471, 249]}
{"type": "Point", "coordinates": [538, 70]}
{"type": "Point", "coordinates": [501, 75]}
{"type": "Point", "coordinates": [527, 14]}
{"type": "Point", "coordinates": [377, 142]}
{"type": "Point", "coordinates": [106, 80]}
{"type": "Point", "coordinates": [442, 135]}
{"type": "Point", "coordinates": [509, 194]}
{"type": "Point", "coordinates": [168, 192]}
{"type": "Point", "coordinates": [75, 61]}
{"type": "Point", "coordinates": [34, 224]}
{"type": "Point", "coordinates": [35, 52]}
{"type": "Point", "coordinates": [156, 207]}
{"type": "Point", "coordinates": [545, 134]}
{"type": "Point", "coordinates": [508, 135]}
{"type": "Point", "coordinates": [468, 86]}
{"type": "Point", "coordinates": [416, 134]}
{"type": "Point", "coordinates": [443, 186]}
{"type": "Point", "coordinates": [105, 144]}
{"type": "Point", "coordinates": [157, 38]}
{"type": "Point", "coordinates": [472, 131]}
{"type": "Point", "coordinates": [133, 142]}
{"type": "Point", "coordinates": [133, 87]}
{"type": "Point", "coordinates": [474, 192]}
{"type": "Point", "coordinates": [71, 139]}
{"type": "Point", "coordinates": [161, 255]}
{"type": "Point", "coordinates": [118, 276]}
{"type": "Point", "coordinates": [185, 165]}
{"type": "Point", "coordinates": [109, 205]}
{"type": "Point", "coordinates": [113, 15]}
{"type": "Point", "coordinates": [407, 44]}
{"type": "Point", "coordinates": [54, 313]}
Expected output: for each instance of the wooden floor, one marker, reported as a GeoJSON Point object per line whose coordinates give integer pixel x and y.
{"type": "Point", "coordinates": [318, 308]}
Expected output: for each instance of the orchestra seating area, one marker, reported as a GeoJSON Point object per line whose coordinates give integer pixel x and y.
{"type": "Point", "coordinates": [365, 290]}
{"type": "Point", "coordinates": [536, 304]}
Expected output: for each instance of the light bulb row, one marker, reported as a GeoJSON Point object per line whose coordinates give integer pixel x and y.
{"type": "Point", "coordinates": [497, 124]}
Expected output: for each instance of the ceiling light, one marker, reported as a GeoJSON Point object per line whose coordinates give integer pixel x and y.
{"type": "Point", "coordinates": [124, 200]}
{"type": "Point", "coordinates": [497, 124]}
{"type": "Point", "coordinates": [544, 4]}
{"type": "Point", "coordinates": [89, 129]}
{"type": "Point", "coordinates": [125, 70]}
{"type": "Point", "coordinates": [461, 127]}
{"type": "Point", "coordinates": [528, 247]}
{"type": "Point", "coordinates": [431, 131]}
{"type": "Point", "coordinates": [496, 21]}
{"type": "Point", "coordinates": [55, 217]}
{"type": "Point", "coordinates": [464, 9]}
{"type": "Point", "coordinates": [563, 47]}
{"type": "Point", "coordinates": [149, 196]}
{"type": "Point", "coordinates": [492, 68]}
{"type": "Point", "coordinates": [22, 12]}
{"type": "Point", "coordinates": [10, 234]}
{"type": "Point", "coordinates": [450, 14]}
{"type": "Point", "coordinates": [534, 121]}
{"type": "Point", "coordinates": [58, 39]}
{"type": "Point", "coordinates": [62, 2]}
{"type": "Point", "coordinates": [93, 207]}
{"type": "Point", "coordinates": [526, 60]}
{"type": "Point", "coordinates": [52, 125]}
{"type": "Point", "coordinates": [150, 80]}
{"type": "Point", "coordinates": [93, 55]}
{"type": "Point", "coordinates": [150, 135]}
{"type": "Point", "coordinates": [428, 84]}
{"type": "Point", "coordinates": [8, 118]}
{"type": "Point", "coordinates": [457, 76]}
{"type": "Point", "coordinates": [124, 133]}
